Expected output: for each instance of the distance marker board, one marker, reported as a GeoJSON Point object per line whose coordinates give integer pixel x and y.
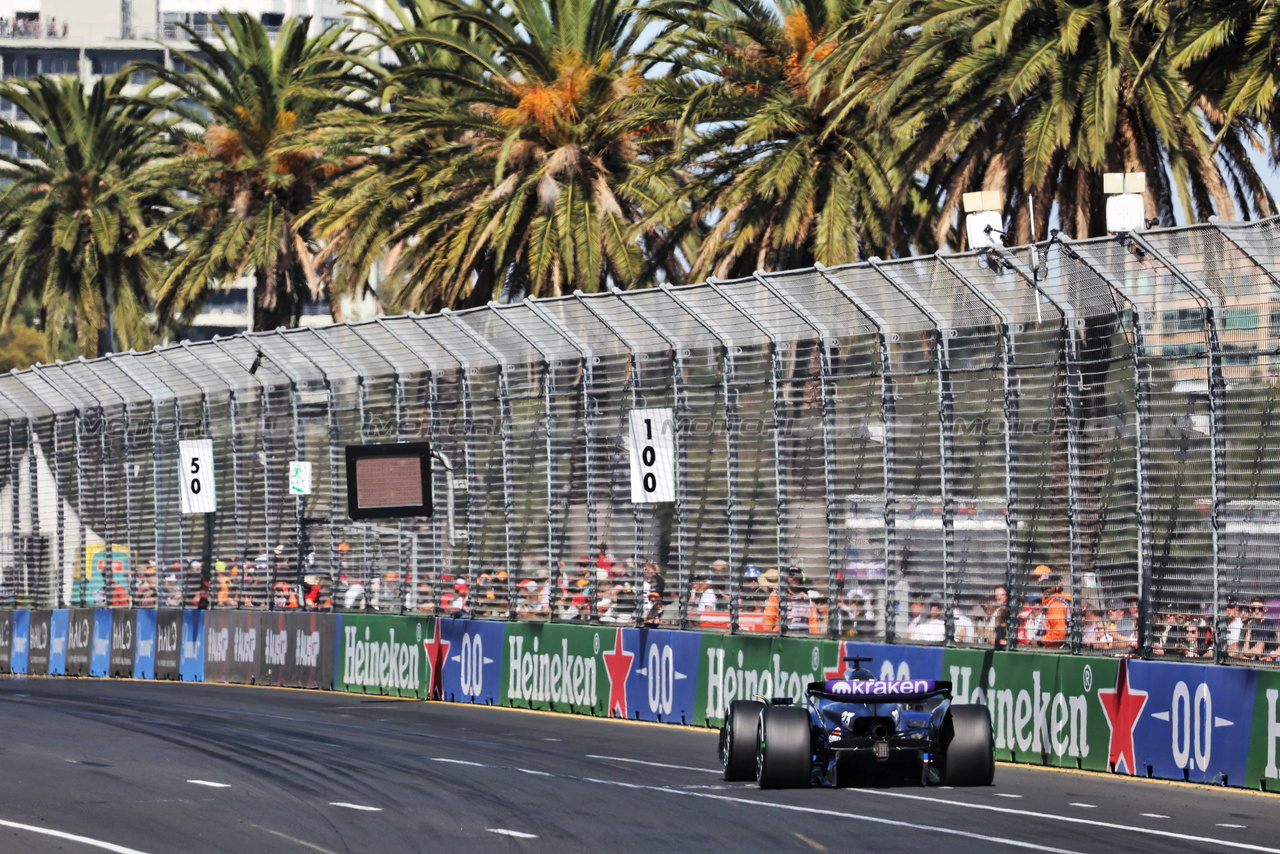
{"type": "Point", "coordinates": [653, 456]}
{"type": "Point", "coordinates": [196, 491]}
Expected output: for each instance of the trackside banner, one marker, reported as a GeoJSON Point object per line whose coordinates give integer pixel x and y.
{"type": "Point", "coordinates": [6, 641]}
{"type": "Point", "coordinates": [464, 661]}
{"type": "Point", "coordinates": [168, 644]}
{"type": "Point", "coordinates": [21, 638]}
{"type": "Point", "coordinates": [38, 646]}
{"type": "Point", "coordinates": [297, 650]}
{"type": "Point", "coordinates": [1168, 719]}
{"type": "Point", "coordinates": [383, 655]}
{"type": "Point", "coordinates": [144, 640]}
{"type": "Point", "coordinates": [59, 621]}
{"type": "Point", "coordinates": [79, 641]}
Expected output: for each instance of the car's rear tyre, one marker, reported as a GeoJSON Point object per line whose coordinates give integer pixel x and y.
{"type": "Point", "coordinates": [738, 740]}
{"type": "Point", "coordinates": [967, 747]}
{"type": "Point", "coordinates": [784, 755]}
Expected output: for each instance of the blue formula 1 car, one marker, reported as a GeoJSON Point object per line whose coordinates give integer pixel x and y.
{"type": "Point", "coordinates": [852, 731]}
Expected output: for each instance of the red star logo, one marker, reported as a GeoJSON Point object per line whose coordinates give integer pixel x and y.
{"type": "Point", "coordinates": [437, 654]}
{"type": "Point", "coordinates": [618, 663]}
{"type": "Point", "coordinates": [838, 672]}
{"type": "Point", "coordinates": [1123, 706]}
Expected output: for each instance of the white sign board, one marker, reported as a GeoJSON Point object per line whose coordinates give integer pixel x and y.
{"type": "Point", "coordinates": [197, 490]}
{"type": "Point", "coordinates": [299, 477]}
{"type": "Point", "coordinates": [653, 456]}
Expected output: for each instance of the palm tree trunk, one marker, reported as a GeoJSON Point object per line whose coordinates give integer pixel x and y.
{"type": "Point", "coordinates": [107, 335]}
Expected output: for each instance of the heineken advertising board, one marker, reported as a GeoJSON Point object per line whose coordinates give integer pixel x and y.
{"type": "Point", "coordinates": [382, 655]}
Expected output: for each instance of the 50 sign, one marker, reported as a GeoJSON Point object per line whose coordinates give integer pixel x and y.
{"type": "Point", "coordinates": [196, 492]}
{"type": "Point", "coordinates": [652, 456]}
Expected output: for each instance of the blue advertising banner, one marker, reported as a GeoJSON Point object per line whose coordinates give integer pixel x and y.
{"type": "Point", "coordinates": [100, 658]}
{"type": "Point", "coordinates": [663, 682]}
{"type": "Point", "coordinates": [59, 620]}
{"type": "Point", "coordinates": [144, 656]}
{"type": "Point", "coordinates": [896, 661]}
{"type": "Point", "coordinates": [1191, 721]}
{"type": "Point", "coordinates": [21, 637]}
{"type": "Point", "coordinates": [191, 666]}
{"type": "Point", "coordinates": [464, 660]}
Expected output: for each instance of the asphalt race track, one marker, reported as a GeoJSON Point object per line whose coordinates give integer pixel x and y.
{"type": "Point", "coordinates": [92, 765]}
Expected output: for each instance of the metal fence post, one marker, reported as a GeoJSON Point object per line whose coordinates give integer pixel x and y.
{"type": "Point", "coordinates": [728, 378]}
{"type": "Point", "coordinates": [679, 396]}
{"type": "Point", "coordinates": [826, 342]}
{"type": "Point", "coordinates": [634, 357]}
{"type": "Point", "coordinates": [1216, 381]}
{"type": "Point", "coordinates": [508, 454]}
{"type": "Point", "coordinates": [1142, 449]}
{"type": "Point", "coordinates": [946, 437]}
{"type": "Point", "coordinates": [888, 416]}
{"type": "Point", "coordinates": [587, 357]}
{"type": "Point", "coordinates": [1010, 408]}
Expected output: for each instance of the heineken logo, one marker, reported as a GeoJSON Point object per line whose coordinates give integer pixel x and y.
{"type": "Point", "coordinates": [379, 664]}
{"type": "Point", "coordinates": [555, 675]}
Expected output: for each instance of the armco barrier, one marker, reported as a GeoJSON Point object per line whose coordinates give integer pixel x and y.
{"type": "Point", "coordinates": [1172, 720]}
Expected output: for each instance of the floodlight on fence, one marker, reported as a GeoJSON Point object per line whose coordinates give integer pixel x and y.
{"type": "Point", "coordinates": [983, 225]}
{"type": "Point", "coordinates": [1125, 210]}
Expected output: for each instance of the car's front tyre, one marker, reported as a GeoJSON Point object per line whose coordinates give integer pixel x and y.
{"type": "Point", "coordinates": [738, 740]}
{"type": "Point", "coordinates": [784, 752]}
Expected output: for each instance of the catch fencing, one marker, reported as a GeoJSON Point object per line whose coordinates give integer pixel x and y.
{"type": "Point", "coordinates": [907, 433]}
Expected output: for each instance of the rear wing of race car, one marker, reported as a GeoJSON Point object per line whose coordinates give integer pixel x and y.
{"type": "Point", "coordinates": [881, 690]}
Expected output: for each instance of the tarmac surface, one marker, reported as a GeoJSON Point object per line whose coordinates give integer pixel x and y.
{"type": "Point", "coordinates": [93, 764]}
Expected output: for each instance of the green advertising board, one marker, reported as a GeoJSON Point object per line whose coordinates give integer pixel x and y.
{"type": "Point", "coordinates": [745, 667]}
{"type": "Point", "coordinates": [1044, 708]}
{"type": "Point", "coordinates": [556, 667]}
{"type": "Point", "coordinates": [1264, 742]}
{"type": "Point", "coordinates": [383, 655]}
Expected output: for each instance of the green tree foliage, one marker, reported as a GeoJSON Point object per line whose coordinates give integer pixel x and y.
{"type": "Point", "coordinates": [249, 171]}
{"type": "Point", "coordinates": [766, 180]}
{"type": "Point", "coordinates": [1033, 96]}
{"type": "Point", "coordinates": [72, 205]}
{"type": "Point", "coordinates": [510, 168]}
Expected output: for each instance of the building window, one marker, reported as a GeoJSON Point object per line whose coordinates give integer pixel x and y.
{"type": "Point", "coordinates": [1182, 320]}
{"type": "Point", "coordinates": [1242, 319]}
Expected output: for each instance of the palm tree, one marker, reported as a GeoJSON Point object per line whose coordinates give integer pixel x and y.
{"type": "Point", "coordinates": [72, 206]}
{"type": "Point", "coordinates": [766, 176]}
{"type": "Point", "coordinates": [1042, 98]}
{"type": "Point", "coordinates": [251, 171]}
{"type": "Point", "coordinates": [509, 160]}
{"type": "Point", "coordinates": [1233, 51]}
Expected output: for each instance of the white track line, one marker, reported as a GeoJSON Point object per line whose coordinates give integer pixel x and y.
{"type": "Point", "coordinates": [83, 840]}
{"type": "Point", "coordinates": [347, 806]}
{"type": "Point", "coordinates": [999, 840]}
{"type": "Point", "coordinates": [654, 764]}
{"type": "Point", "coordinates": [210, 784]}
{"type": "Point", "coordinates": [460, 762]}
{"type": "Point", "coordinates": [1244, 846]}
{"type": "Point", "coordinates": [501, 831]}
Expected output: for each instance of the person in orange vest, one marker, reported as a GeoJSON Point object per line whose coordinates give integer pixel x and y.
{"type": "Point", "coordinates": [284, 596]}
{"type": "Point", "coordinates": [769, 620]}
{"type": "Point", "coordinates": [119, 595]}
{"type": "Point", "coordinates": [1057, 609]}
